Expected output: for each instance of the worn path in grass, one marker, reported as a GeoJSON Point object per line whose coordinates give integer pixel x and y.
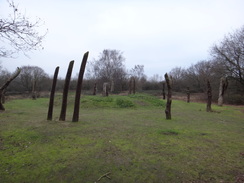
{"type": "Point", "coordinates": [126, 137]}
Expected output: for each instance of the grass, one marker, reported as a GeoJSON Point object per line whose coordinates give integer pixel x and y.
{"type": "Point", "coordinates": [125, 135]}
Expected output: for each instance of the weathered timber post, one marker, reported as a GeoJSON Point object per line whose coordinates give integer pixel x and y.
{"type": "Point", "coordinates": [112, 86]}
{"type": "Point", "coordinates": [169, 96]}
{"type": "Point", "coordinates": [130, 85]}
{"type": "Point", "coordinates": [65, 92]}
{"type": "Point", "coordinates": [78, 88]}
{"type": "Point", "coordinates": [105, 89]}
{"type": "Point", "coordinates": [5, 85]}
{"type": "Point", "coordinates": [188, 94]}
{"type": "Point", "coordinates": [95, 89]}
{"type": "Point", "coordinates": [222, 88]}
{"type": "Point", "coordinates": [209, 97]}
{"type": "Point", "coordinates": [52, 94]}
{"type": "Point", "coordinates": [163, 90]}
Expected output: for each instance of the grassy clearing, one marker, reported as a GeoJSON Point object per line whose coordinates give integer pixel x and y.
{"type": "Point", "coordinates": [125, 135]}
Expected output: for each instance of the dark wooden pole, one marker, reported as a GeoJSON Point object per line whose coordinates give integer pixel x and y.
{"type": "Point", "coordinates": [51, 101]}
{"type": "Point", "coordinates": [209, 97]}
{"type": "Point", "coordinates": [169, 97]}
{"type": "Point", "coordinates": [188, 94]}
{"type": "Point", "coordinates": [222, 88]}
{"type": "Point", "coordinates": [65, 92]}
{"type": "Point", "coordinates": [78, 88]}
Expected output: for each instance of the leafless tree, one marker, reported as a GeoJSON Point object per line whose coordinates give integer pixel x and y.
{"type": "Point", "coordinates": [6, 84]}
{"type": "Point", "coordinates": [19, 32]}
{"type": "Point", "coordinates": [109, 67]}
{"type": "Point", "coordinates": [31, 78]}
{"type": "Point", "coordinates": [230, 52]}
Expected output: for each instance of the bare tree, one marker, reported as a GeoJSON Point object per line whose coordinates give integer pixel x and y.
{"type": "Point", "coordinates": [6, 84]}
{"type": "Point", "coordinates": [109, 67]}
{"type": "Point", "coordinates": [138, 73]}
{"type": "Point", "coordinates": [19, 32]}
{"type": "Point", "coordinates": [31, 78]}
{"type": "Point", "coordinates": [230, 52]}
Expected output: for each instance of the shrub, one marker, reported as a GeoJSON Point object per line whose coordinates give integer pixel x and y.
{"type": "Point", "coordinates": [123, 103]}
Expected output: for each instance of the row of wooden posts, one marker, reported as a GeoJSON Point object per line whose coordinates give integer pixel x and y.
{"type": "Point", "coordinates": [132, 86]}
{"type": "Point", "coordinates": [66, 89]}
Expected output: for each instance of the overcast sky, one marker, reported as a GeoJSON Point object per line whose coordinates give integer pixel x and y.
{"type": "Point", "coordinates": [159, 34]}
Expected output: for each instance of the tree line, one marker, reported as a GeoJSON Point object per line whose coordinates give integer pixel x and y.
{"type": "Point", "coordinates": [227, 61]}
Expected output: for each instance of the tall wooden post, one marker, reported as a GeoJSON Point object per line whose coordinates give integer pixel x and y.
{"type": "Point", "coordinates": [78, 88]}
{"type": "Point", "coordinates": [222, 88]}
{"type": "Point", "coordinates": [188, 94]}
{"type": "Point", "coordinates": [209, 97]}
{"type": "Point", "coordinates": [105, 89]}
{"type": "Point", "coordinates": [65, 92]}
{"type": "Point", "coordinates": [130, 86]}
{"type": "Point", "coordinates": [51, 101]}
{"type": "Point", "coordinates": [169, 96]}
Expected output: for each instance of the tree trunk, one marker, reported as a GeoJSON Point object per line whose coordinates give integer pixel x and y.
{"type": "Point", "coordinates": [163, 91]}
{"type": "Point", "coordinates": [209, 97]}
{"type": "Point", "coordinates": [169, 97]}
{"type": "Point", "coordinates": [5, 85]}
{"type": "Point", "coordinates": [65, 92]}
{"type": "Point", "coordinates": [78, 88]}
{"type": "Point", "coordinates": [188, 94]}
{"type": "Point", "coordinates": [133, 85]}
{"type": "Point", "coordinates": [51, 101]}
{"type": "Point", "coordinates": [222, 88]}
{"type": "Point", "coordinates": [34, 89]}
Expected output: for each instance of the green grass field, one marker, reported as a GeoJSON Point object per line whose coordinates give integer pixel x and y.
{"type": "Point", "coordinates": [125, 137]}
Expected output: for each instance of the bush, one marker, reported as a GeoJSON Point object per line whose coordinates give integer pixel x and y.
{"type": "Point", "coordinates": [123, 103]}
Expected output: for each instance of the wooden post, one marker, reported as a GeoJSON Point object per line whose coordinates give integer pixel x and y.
{"type": "Point", "coordinates": [209, 97]}
{"type": "Point", "coordinates": [65, 92]}
{"type": "Point", "coordinates": [51, 101]}
{"type": "Point", "coordinates": [188, 94]}
{"type": "Point", "coordinates": [222, 88]}
{"type": "Point", "coordinates": [169, 97]}
{"type": "Point", "coordinates": [130, 85]}
{"type": "Point", "coordinates": [105, 89]}
{"type": "Point", "coordinates": [78, 88]}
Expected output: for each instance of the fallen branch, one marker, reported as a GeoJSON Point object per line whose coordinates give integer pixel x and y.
{"type": "Point", "coordinates": [105, 175]}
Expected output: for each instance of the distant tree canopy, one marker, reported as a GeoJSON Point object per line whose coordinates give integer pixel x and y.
{"type": "Point", "coordinates": [18, 33]}
{"type": "Point", "coordinates": [230, 53]}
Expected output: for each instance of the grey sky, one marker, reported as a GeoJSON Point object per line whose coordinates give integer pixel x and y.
{"type": "Point", "coordinates": [159, 34]}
